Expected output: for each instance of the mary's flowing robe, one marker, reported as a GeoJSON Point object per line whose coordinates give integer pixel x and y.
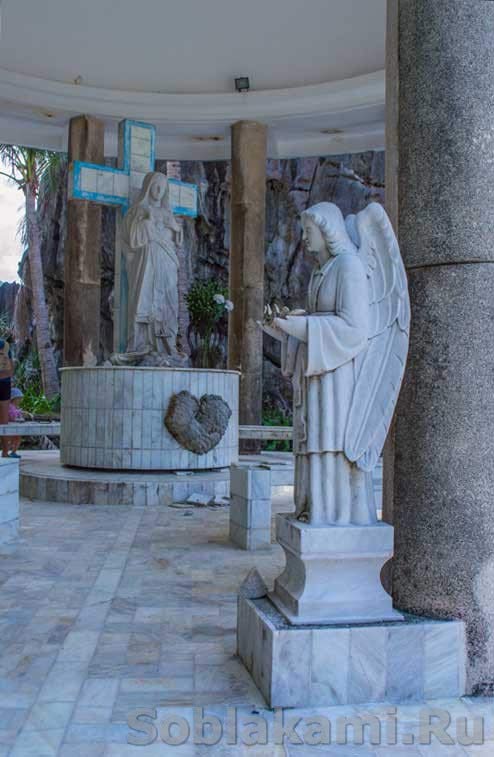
{"type": "Point", "coordinates": [330, 489]}
{"type": "Point", "coordinates": [152, 269]}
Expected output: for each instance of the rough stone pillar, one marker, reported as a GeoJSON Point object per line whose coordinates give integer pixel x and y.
{"type": "Point", "coordinates": [82, 270]}
{"type": "Point", "coordinates": [248, 209]}
{"type": "Point", "coordinates": [174, 171]}
{"type": "Point", "coordinates": [444, 472]}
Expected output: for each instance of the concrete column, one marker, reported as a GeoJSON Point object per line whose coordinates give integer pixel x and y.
{"type": "Point", "coordinates": [248, 209]}
{"type": "Point", "coordinates": [444, 435]}
{"type": "Point", "coordinates": [174, 171]}
{"type": "Point", "coordinates": [82, 296]}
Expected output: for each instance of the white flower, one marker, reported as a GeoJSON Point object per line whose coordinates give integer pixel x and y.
{"type": "Point", "coordinates": [229, 305]}
{"type": "Point", "coordinates": [219, 299]}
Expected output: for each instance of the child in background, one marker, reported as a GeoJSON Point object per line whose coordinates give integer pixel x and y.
{"type": "Point", "coordinates": [15, 416]}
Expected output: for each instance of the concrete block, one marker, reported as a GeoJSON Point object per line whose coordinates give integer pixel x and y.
{"type": "Point", "coordinates": [250, 482]}
{"type": "Point", "coordinates": [250, 513]}
{"type": "Point", "coordinates": [250, 538]}
{"type": "Point", "coordinates": [9, 499]}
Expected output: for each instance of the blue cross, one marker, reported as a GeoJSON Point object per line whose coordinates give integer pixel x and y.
{"type": "Point", "coordinates": [120, 186]}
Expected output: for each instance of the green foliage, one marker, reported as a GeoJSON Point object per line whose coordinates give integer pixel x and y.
{"type": "Point", "coordinates": [28, 379]}
{"type": "Point", "coordinates": [203, 309]}
{"type": "Point", "coordinates": [273, 416]}
{"type": "Point", "coordinates": [207, 304]}
{"type": "Point", "coordinates": [27, 165]}
{"type": "Point", "coordinates": [38, 404]}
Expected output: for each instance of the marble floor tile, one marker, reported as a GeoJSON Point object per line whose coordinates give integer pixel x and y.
{"type": "Point", "coordinates": [49, 716]}
{"type": "Point", "coordinates": [106, 610]}
{"type": "Point", "coordinates": [38, 744]}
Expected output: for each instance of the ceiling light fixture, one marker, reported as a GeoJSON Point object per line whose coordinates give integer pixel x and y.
{"type": "Point", "coordinates": [332, 131]}
{"type": "Point", "coordinates": [212, 138]}
{"type": "Point", "coordinates": [242, 84]}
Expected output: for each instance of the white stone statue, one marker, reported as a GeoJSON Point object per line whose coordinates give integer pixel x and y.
{"type": "Point", "coordinates": [346, 355]}
{"type": "Point", "coordinates": [150, 239]}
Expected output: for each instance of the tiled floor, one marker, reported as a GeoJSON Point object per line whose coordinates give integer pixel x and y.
{"type": "Point", "coordinates": [106, 610]}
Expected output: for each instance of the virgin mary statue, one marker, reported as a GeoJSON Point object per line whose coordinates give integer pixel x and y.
{"type": "Point", "coordinates": [346, 356]}
{"type": "Point", "coordinates": [150, 236]}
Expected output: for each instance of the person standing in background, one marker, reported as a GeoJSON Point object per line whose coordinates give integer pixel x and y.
{"type": "Point", "coordinates": [15, 416]}
{"type": "Point", "coordinates": [6, 373]}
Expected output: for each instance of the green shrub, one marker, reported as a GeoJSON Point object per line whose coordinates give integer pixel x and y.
{"type": "Point", "coordinates": [273, 416]}
{"type": "Point", "coordinates": [207, 304]}
{"type": "Point", "coordinates": [28, 379]}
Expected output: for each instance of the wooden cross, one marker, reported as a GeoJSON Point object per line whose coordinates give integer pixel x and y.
{"type": "Point", "coordinates": [119, 187]}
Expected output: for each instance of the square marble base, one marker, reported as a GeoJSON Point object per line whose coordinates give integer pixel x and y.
{"type": "Point", "coordinates": [401, 662]}
{"type": "Point", "coordinates": [250, 506]}
{"type": "Point", "coordinates": [333, 573]}
{"type": "Point", "coordinates": [9, 499]}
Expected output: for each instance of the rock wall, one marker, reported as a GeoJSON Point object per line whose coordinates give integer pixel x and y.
{"type": "Point", "coordinates": [351, 181]}
{"type": "Point", "coordinates": [8, 294]}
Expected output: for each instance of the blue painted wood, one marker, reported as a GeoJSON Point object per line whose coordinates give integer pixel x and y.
{"type": "Point", "coordinates": [116, 200]}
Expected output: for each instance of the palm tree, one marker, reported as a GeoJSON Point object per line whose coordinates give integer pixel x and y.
{"type": "Point", "coordinates": [27, 168]}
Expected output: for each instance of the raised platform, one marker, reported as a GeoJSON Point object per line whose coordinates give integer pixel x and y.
{"type": "Point", "coordinates": [322, 666]}
{"type": "Point", "coordinates": [118, 418]}
{"type": "Point", "coordinates": [43, 477]}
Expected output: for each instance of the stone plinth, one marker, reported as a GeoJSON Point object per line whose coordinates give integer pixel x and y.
{"type": "Point", "coordinates": [113, 418]}
{"type": "Point", "coordinates": [315, 666]}
{"type": "Point", "coordinates": [332, 573]}
{"type": "Point", "coordinates": [9, 499]}
{"type": "Point", "coordinates": [250, 506]}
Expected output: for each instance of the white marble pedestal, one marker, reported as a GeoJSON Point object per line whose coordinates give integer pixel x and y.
{"type": "Point", "coordinates": [328, 634]}
{"type": "Point", "coordinates": [323, 666]}
{"type": "Point", "coordinates": [9, 499]}
{"type": "Point", "coordinates": [332, 573]}
{"type": "Point", "coordinates": [250, 506]}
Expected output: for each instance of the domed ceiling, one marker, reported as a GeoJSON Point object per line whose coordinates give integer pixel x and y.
{"type": "Point", "coordinates": [315, 69]}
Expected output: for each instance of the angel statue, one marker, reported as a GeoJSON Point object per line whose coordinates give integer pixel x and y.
{"type": "Point", "coordinates": [346, 356]}
{"type": "Point", "coordinates": [150, 239]}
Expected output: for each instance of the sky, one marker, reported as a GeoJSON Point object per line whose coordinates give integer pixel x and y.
{"type": "Point", "coordinates": [11, 202]}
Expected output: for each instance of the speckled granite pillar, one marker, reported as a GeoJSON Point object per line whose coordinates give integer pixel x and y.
{"type": "Point", "coordinates": [444, 436]}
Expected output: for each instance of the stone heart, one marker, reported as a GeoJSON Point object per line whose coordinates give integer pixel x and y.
{"type": "Point", "coordinates": [197, 425]}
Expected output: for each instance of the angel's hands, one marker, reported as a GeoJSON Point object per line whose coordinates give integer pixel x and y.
{"type": "Point", "coordinates": [270, 329]}
{"type": "Point", "coordinates": [293, 325]}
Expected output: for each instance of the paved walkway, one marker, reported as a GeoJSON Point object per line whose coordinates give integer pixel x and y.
{"type": "Point", "coordinates": [106, 610]}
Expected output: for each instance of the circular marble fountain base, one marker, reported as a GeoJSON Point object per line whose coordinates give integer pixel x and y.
{"type": "Point", "coordinates": [43, 477]}
{"type": "Point", "coordinates": [114, 418]}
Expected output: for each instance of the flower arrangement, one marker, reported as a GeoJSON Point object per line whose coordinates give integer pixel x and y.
{"type": "Point", "coordinates": [207, 304]}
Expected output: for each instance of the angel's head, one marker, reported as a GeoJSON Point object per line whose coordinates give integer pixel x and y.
{"type": "Point", "coordinates": [324, 231]}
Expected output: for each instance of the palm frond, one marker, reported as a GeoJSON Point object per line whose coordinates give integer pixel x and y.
{"type": "Point", "coordinates": [28, 165]}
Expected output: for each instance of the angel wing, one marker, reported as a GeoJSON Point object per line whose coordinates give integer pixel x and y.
{"type": "Point", "coordinates": [381, 368]}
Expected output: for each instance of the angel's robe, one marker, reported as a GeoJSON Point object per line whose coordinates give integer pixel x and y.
{"type": "Point", "coordinates": [152, 270]}
{"type": "Point", "coordinates": [329, 488]}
